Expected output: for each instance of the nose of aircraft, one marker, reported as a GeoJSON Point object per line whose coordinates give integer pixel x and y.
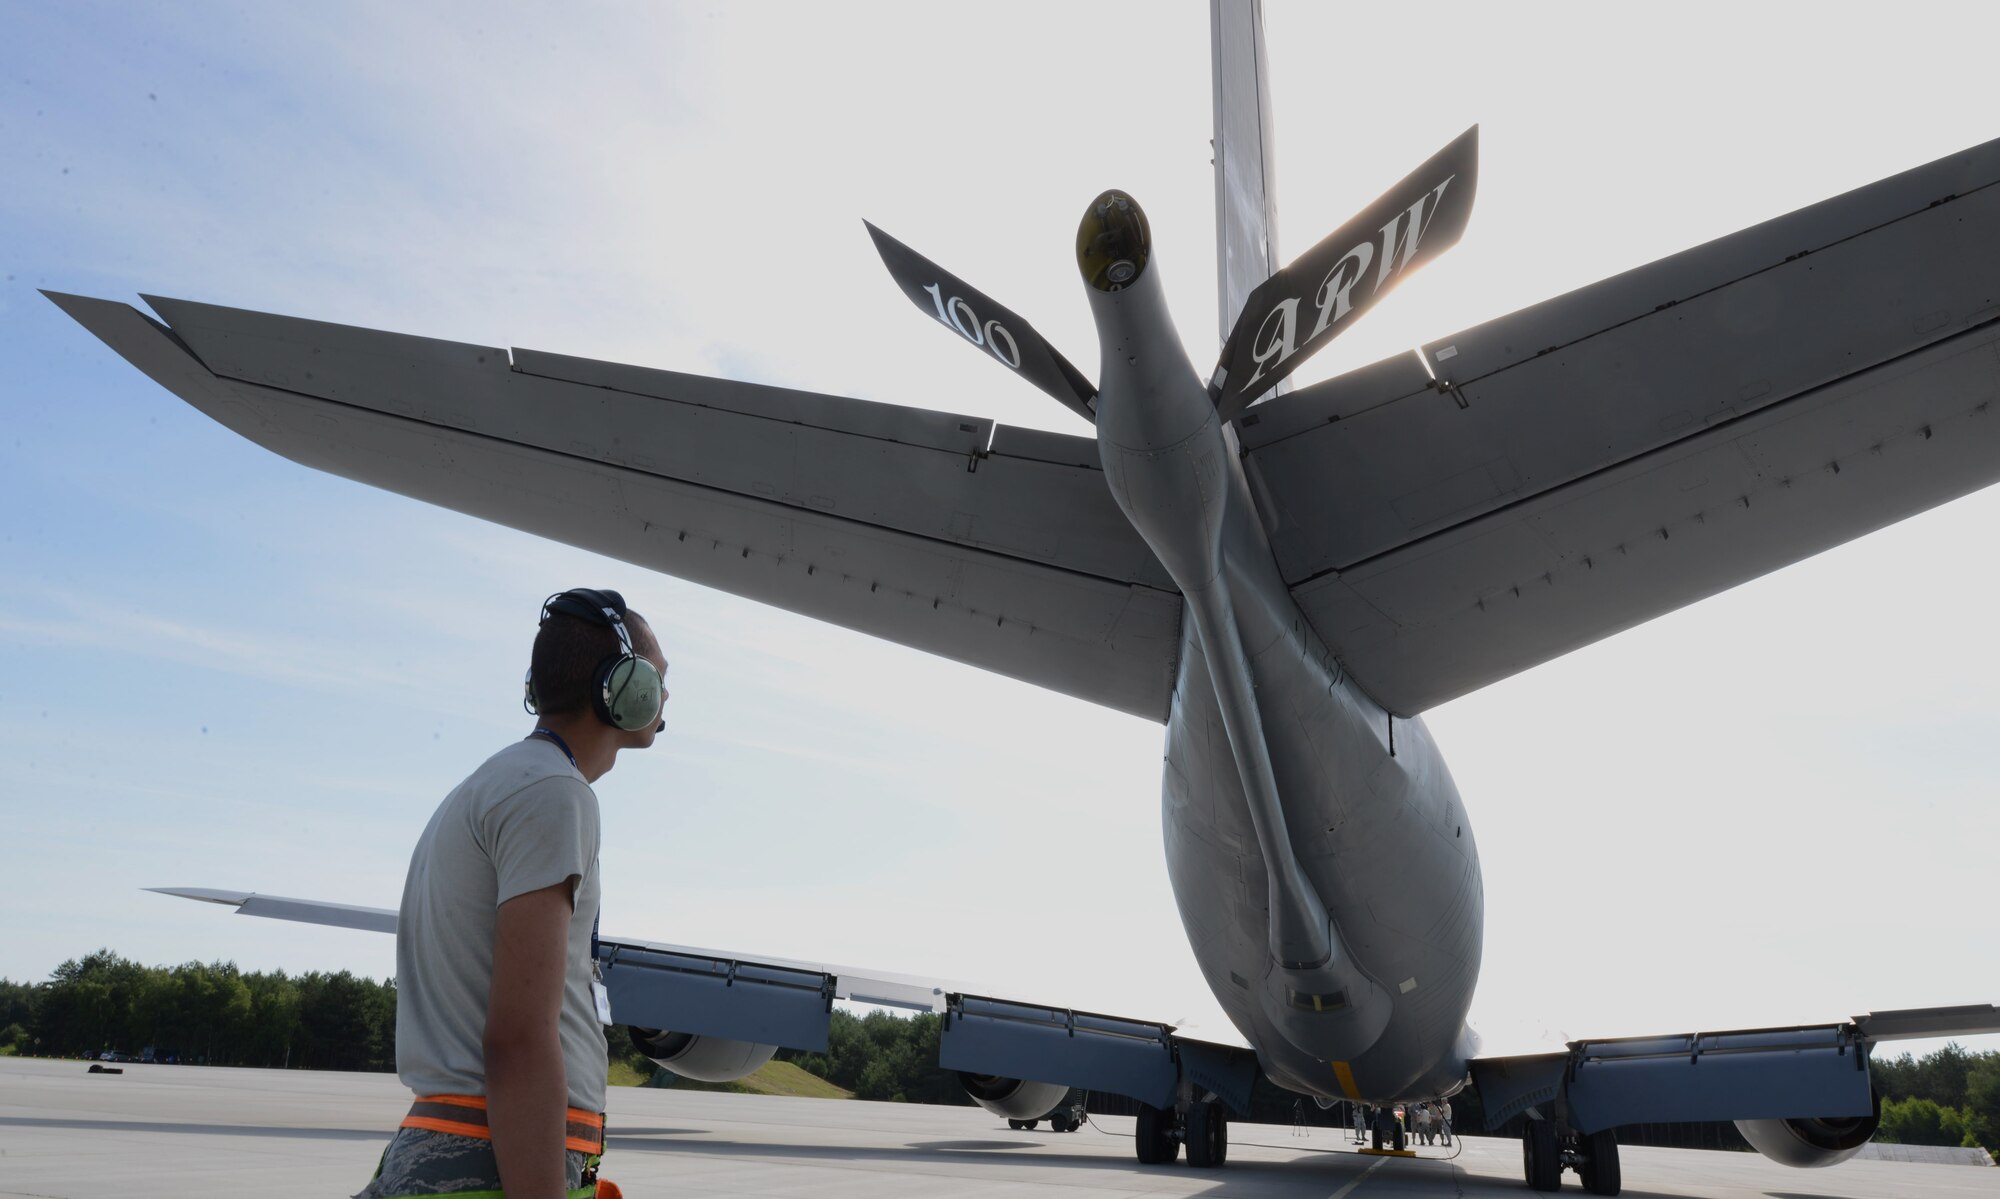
{"type": "Point", "coordinates": [1113, 242]}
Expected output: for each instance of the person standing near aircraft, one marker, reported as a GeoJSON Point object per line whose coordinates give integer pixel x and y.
{"type": "Point", "coordinates": [499, 1005]}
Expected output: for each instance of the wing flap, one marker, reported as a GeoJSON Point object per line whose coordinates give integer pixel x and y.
{"type": "Point", "coordinates": [904, 528]}
{"type": "Point", "coordinates": [1804, 1072]}
{"type": "Point", "coordinates": [719, 997]}
{"type": "Point", "coordinates": [1103, 1053]}
{"type": "Point", "coordinates": [1142, 1059]}
{"type": "Point", "coordinates": [1764, 1074]}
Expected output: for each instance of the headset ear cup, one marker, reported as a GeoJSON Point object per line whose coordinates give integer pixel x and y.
{"type": "Point", "coordinates": [629, 697]}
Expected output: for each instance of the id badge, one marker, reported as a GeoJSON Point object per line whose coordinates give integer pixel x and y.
{"type": "Point", "coordinates": [602, 994]}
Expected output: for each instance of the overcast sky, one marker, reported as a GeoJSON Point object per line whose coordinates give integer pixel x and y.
{"type": "Point", "coordinates": [221, 669]}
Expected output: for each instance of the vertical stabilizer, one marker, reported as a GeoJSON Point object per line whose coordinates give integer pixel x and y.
{"type": "Point", "coordinates": [1246, 215]}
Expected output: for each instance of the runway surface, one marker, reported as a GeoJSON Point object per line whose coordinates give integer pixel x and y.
{"type": "Point", "coordinates": [185, 1132]}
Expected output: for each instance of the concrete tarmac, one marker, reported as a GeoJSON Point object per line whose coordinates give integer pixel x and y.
{"type": "Point", "coordinates": [187, 1132]}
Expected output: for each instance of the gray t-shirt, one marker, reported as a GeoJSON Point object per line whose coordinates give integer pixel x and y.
{"type": "Point", "coordinates": [523, 821]}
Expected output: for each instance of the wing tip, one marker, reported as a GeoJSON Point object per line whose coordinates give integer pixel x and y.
{"type": "Point", "coordinates": [234, 899]}
{"type": "Point", "coordinates": [881, 238]}
{"type": "Point", "coordinates": [75, 305]}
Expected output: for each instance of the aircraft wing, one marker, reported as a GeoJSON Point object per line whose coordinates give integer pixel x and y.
{"type": "Point", "coordinates": [769, 1000]}
{"type": "Point", "coordinates": [842, 982]}
{"type": "Point", "coordinates": [1584, 465]}
{"type": "Point", "coordinates": [1749, 1074]}
{"type": "Point", "coordinates": [997, 547]}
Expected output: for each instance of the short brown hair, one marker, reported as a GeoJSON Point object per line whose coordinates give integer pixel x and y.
{"type": "Point", "coordinates": [569, 652]}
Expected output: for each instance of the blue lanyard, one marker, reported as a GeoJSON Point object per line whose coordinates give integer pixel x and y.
{"type": "Point", "coordinates": [560, 743]}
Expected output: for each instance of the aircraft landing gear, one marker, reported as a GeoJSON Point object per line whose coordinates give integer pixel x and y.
{"type": "Point", "coordinates": [1597, 1162]}
{"type": "Point", "coordinates": [1203, 1125]}
{"type": "Point", "coordinates": [1158, 1135]}
{"type": "Point", "coordinates": [1541, 1161]}
{"type": "Point", "coordinates": [1545, 1152]}
{"type": "Point", "coordinates": [1207, 1134]}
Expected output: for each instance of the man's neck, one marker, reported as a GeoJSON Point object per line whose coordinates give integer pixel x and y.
{"type": "Point", "coordinates": [594, 743]}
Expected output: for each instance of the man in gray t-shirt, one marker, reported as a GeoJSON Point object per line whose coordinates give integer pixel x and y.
{"type": "Point", "coordinates": [497, 1019]}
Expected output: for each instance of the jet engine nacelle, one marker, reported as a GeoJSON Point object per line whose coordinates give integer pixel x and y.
{"type": "Point", "coordinates": [1011, 1097]}
{"type": "Point", "coordinates": [1805, 1143]}
{"type": "Point", "coordinates": [704, 1059]}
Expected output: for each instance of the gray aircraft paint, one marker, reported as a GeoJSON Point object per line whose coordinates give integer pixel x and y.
{"type": "Point", "coordinates": [1301, 308]}
{"type": "Point", "coordinates": [1374, 544]}
{"type": "Point", "coordinates": [985, 323]}
{"type": "Point", "coordinates": [1282, 804]}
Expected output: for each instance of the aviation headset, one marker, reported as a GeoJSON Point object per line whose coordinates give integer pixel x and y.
{"type": "Point", "coordinates": [626, 689]}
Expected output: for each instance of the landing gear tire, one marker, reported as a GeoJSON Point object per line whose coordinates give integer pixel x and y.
{"type": "Point", "coordinates": [1207, 1135]}
{"type": "Point", "coordinates": [1401, 1136]}
{"type": "Point", "coordinates": [1016, 1125]}
{"type": "Point", "coordinates": [1154, 1138]}
{"type": "Point", "coordinates": [1541, 1160]}
{"type": "Point", "coordinates": [1599, 1168]}
{"type": "Point", "coordinates": [1378, 1129]}
{"type": "Point", "coordinates": [1060, 1123]}
{"type": "Point", "coordinates": [1029, 1124]}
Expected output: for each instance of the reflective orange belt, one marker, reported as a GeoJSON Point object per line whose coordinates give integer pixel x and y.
{"type": "Point", "coordinates": [465, 1115]}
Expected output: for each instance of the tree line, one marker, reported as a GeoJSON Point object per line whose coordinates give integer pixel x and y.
{"type": "Point", "coordinates": [885, 1057]}
{"type": "Point", "coordinates": [216, 1014]}
{"type": "Point", "coordinates": [209, 1013]}
{"type": "Point", "coordinates": [1950, 1097]}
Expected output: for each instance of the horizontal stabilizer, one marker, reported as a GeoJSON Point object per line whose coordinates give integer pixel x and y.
{"type": "Point", "coordinates": [1530, 485]}
{"type": "Point", "coordinates": [1316, 297]}
{"type": "Point", "coordinates": [998, 547]}
{"type": "Point", "coordinates": [992, 328]}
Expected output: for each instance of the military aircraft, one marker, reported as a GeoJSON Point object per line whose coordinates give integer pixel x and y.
{"type": "Point", "coordinates": [1285, 580]}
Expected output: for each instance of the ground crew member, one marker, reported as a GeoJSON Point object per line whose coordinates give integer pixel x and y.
{"type": "Point", "coordinates": [498, 1009]}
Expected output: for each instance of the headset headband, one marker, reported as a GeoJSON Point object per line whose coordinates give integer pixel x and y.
{"type": "Point", "coordinates": [605, 608]}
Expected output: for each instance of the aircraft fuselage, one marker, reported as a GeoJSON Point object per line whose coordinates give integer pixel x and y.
{"type": "Point", "coordinates": [1320, 855]}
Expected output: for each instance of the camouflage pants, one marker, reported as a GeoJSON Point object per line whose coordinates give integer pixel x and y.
{"type": "Point", "coordinates": [421, 1162]}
